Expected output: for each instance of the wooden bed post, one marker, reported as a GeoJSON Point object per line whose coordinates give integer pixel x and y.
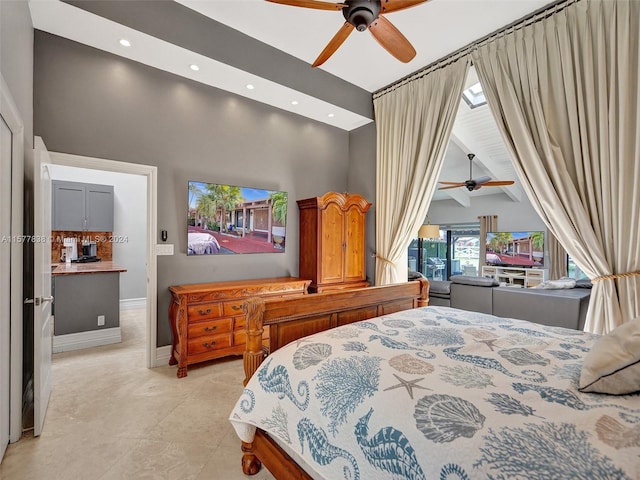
{"type": "Point", "coordinates": [423, 301]}
{"type": "Point", "coordinates": [254, 353]}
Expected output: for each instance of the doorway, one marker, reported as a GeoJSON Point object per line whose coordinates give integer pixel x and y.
{"type": "Point", "coordinates": [150, 174]}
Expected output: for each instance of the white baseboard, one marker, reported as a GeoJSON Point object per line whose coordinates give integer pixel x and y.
{"type": "Point", "coordinates": [133, 303]}
{"type": "Point", "coordinates": [163, 354]}
{"type": "Point", "coordinates": [92, 338]}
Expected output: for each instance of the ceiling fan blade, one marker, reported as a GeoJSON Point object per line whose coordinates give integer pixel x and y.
{"type": "Point", "coordinates": [457, 184]}
{"type": "Point", "coordinates": [453, 186]}
{"type": "Point", "coordinates": [499, 183]}
{"type": "Point", "coordinates": [311, 4]}
{"type": "Point", "coordinates": [333, 45]}
{"type": "Point", "coordinates": [387, 6]}
{"type": "Point", "coordinates": [481, 180]}
{"type": "Point", "coordinates": [391, 39]}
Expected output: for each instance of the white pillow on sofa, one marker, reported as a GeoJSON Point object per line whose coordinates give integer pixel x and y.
{"type": "Point", "coordinates": [613, 363]}
{"type": "Point", "coordinates": [563, 282]}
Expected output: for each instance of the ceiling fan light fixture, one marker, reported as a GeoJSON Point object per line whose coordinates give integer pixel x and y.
{"type": "Point", "coordinates": [361, 13]}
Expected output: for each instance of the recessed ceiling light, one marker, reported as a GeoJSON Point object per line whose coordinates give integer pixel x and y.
{"type": "Point", "coordinates": [294, 102]}
{"type": "Point", "coordinates": [250, 87]}
{"type": "Point", "coordinates": [194, 67]}
{"type": "Point", "coordinates": [331, 115]}
{"type": "Point", "coordinates": [124, 42]}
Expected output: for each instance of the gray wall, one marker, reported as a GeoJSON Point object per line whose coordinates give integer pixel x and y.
{"type": "Point", "coordinates": [92, 103]}
{"type": "Point", "coordinates": [362, 180]}
{"type": "Point", "coordinates": [129, 213]}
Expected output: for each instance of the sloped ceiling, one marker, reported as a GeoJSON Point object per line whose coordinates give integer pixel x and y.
{"type": "Point", "coordinates": [271, 46]}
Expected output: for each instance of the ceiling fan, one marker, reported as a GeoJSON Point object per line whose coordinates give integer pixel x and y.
{"type": "Point", "coordinates": [363, 14]}
{"type": "Point", "coordinates": [475, 183]}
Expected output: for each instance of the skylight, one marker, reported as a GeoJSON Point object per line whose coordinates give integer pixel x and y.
{"type": "Point", "coordinates": [474, 96]}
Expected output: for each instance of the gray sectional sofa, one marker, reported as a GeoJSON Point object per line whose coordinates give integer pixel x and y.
{"type": "Point", "coordinates": [559, 308]}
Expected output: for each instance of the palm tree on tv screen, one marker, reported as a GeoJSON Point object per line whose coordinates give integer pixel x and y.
{"type": "Point", "coordinates": [537, 242]}
{"type": "Point", "coordinates": [279, 206]}
{"type": "Point", "coordinates": [500, 240]}
{"type": "Point", "coordinates": [227, 197]}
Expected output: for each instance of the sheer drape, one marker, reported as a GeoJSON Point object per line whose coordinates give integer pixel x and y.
{"type": "Point", "coordinates": [565, 94]}
{"type": "Point", "coordinates": [557, 258]}
{"type": "Point", "coordinates": [414, 123]}
{"type": "Point", "coordinates": [488, 223]}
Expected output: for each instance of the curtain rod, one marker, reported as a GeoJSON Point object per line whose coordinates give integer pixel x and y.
{"type": "Point", "coordinates": [535, 16]}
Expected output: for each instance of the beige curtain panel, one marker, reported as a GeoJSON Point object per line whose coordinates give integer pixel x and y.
{"type": "Point", "coordinates": [414, 123]}
{"type": "Point", "coordinates": [557, 258]}
{"type": "Point", "coordinates": [488, 223]}
{"type": "Point", "coordinates": [565, 94]}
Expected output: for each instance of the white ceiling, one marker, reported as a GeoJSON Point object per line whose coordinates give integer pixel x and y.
{"type": "Point", "coordinates": [435, 29]}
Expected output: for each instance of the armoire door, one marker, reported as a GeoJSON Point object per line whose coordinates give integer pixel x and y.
{"type": "Point", "coordinates": [354, 251]}
{"type": "Point", "coordinates": [332, 245]}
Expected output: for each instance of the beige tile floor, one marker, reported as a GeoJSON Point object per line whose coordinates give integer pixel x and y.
{"type": "Point", "coordinates": [112, 418]}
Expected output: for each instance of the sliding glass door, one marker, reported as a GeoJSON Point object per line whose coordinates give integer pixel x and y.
{"type": "Point", "coordinates": [456, 252]}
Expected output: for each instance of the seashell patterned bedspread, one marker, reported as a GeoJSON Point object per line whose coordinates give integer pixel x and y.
{"type": "Point", "coordinates": [440, 393]}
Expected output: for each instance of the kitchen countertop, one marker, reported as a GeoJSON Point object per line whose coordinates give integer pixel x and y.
{"type": "Point", "coordinates": [83, 268]}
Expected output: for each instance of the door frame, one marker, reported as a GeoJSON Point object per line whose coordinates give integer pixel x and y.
{"type": "Point", "coordinates": [151, 174]}
{"type": "Point", "coordinates": [11, 116]}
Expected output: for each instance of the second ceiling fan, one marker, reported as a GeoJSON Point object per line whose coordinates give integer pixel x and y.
{"type": "Point", "coordinates": [363, 15]}
{"type": "Point", "coordinates": [475, 183]}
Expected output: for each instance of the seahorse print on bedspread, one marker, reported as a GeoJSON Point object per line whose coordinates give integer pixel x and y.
{"type": "Point", "coordinates": [322, 451]}
{"type": "Point", "coordinates": [277, 381]}
{"type": "Point", "coordinates": [491, 364]}
{"type": "Point", "coordinates": [388, 450]}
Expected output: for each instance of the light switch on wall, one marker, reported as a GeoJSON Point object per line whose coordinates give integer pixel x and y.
{"type": "Point", "coordinates": [164, 249]}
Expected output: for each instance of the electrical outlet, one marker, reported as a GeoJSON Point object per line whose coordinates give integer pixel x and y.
{"type": "Point", "coordinates": [100, 320]}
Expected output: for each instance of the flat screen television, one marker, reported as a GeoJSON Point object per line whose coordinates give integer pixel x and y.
{"type": "Point", "coordinates": [515, 249]}
{"type": "Point", "coordinates": [228, 219]}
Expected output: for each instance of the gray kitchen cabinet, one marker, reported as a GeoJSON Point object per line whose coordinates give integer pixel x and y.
{"type": "Point", "coordinates": [81, 299]}
{"type": "Point", "coordinates": [82, 207]}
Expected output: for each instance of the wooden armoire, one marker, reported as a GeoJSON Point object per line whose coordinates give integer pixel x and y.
{"type": "Point", "coordinates": [332, 241]}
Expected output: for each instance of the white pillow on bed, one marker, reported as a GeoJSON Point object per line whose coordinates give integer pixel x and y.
{"type": "Point", "coordinates": [613, 363]}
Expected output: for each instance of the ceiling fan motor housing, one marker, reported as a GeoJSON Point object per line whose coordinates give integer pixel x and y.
{"type": "Point", "coordinates": [361, 13]}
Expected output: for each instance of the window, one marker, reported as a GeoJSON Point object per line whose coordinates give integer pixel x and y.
{"type": "Point", "coordinates": [456, 252]}
{"type": "Point", "coordinates": [474, 96]}
{"type": "Point", "coordinates": [574, 270]}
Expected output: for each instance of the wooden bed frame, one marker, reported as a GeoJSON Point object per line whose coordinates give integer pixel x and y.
{"type": "Point", "coordinates": [293, 318]}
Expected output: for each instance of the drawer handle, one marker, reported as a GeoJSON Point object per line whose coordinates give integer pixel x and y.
{"type": "Point", "coordinates": [236, 307]}
{"type": "Point", "coordinates": [204, 312]}
{"type": "Point", "coordinates": [210, 329]}
{"type": "Point", "coordinates": [209, 344]}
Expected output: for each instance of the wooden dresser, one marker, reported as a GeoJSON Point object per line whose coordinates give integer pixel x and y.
{"type": "Point", "coordinates": [332, 241]}
{"type": "Point", "coordinates": [207, 320]}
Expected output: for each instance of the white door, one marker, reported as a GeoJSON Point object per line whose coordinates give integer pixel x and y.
{"type": "Point", "coordinates": [42, 318]}
{"type": "Point", "coordinates": [5, 282]}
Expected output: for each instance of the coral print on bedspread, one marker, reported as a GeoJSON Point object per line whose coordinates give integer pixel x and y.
{"type": "Point", "coordinates": [440, 393]}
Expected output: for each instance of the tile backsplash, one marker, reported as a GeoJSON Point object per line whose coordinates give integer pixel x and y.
{"type": "Point", "coordinates": [104, 245]}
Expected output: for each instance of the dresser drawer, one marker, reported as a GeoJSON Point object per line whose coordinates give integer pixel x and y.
{"type": "Point", "coordinates": [211, 327]}
{"type": "Point", "coordinates": [230, 309]}
{"type": "Point", "coordinates": [208, 344]}
{"type": "Point", "coordinates": [203, 311]}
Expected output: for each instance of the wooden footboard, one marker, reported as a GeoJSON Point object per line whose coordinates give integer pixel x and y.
{"type": "Point", "coordinates": [293, 318]}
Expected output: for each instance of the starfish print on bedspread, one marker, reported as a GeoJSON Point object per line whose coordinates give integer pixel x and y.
{"type": "Point", "coordinates": [408, 384]}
